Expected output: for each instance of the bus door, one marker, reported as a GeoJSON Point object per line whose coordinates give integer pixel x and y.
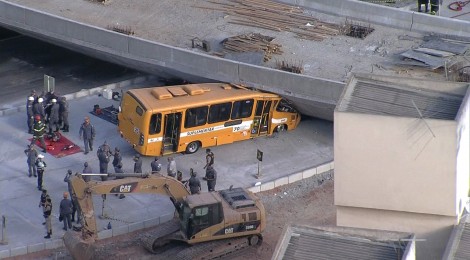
{"type": "Point", "coordinates": [261, 120]}
{"type": "Point", "coordinates": [172, 128]}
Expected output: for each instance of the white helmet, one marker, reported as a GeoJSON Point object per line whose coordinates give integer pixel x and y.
{"type": "Point", "coordinates": [40, 99]}
{"type": "Point", "coordinates": [40, 156]}
{"type": "Point", "coordinates": [31, 98]}
{"type": "Point", "coordinates": [54, 100]}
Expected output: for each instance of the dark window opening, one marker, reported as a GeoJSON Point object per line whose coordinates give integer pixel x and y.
{"type": "Point", "coordinates": [242, 109]}
{"type": "Point", "coordinates": [196, 117]}
{"type": "Point", "coordinates": [155, 124]}
{"type": "Point", "coordinates": [219, 112]}
{"type": "Point", "coordinates": [139, 111]}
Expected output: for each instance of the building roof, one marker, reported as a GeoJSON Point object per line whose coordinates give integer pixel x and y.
{"type": "Point", "coordinates": [301, 242]}
{"type": "Point", "coordinates": [458, 246]}
{"type": "Point", "coordinates": [370, 95]}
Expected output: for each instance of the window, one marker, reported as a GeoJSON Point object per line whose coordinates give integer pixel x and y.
{"type": "Point", "coordinates": [219, 112]}
{"type": "Point", "coordinates": [285, 106]}
{"type": "Point", "coordinates": [155, 124]}
{"type": "Point", "coordinates": [242, 109]}
{"type": "Point", "coordinates": [196, 117]}
{"type": "Point", "coordinates": [202, 211]}
{"type": "Point", "coordinates": [139, 110]}
{"type": "Point", "coordinates": [252, 216]}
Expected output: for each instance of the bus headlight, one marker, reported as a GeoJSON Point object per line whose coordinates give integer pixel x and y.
{"type": "Point", "coordinates": [141, 139]}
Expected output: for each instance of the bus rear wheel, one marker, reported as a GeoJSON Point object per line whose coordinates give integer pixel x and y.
{"type": "Point", "coordinates": [193, 147]}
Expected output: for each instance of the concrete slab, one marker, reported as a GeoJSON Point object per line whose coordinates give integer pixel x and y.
{"type": "Point", "coordinates": [151, 222]}
{"type": "Point", "coordinates": [309, 173]}
{"type": "Point", "coordinates": [4, 253]}
{"type": "Point", "coordinates": [136, 226]}
{"type": "Point", "coordinates": [105, 234]}
{"type": "Point", "coordinates": [323, 168]}
{"type": "Point", "coordinates": [267, 186]}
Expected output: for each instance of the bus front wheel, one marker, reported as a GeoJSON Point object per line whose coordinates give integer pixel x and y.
{"type": "Point", "coordinates": [280, 128]}
{"type": "Point", "coordinates": [193, 147]}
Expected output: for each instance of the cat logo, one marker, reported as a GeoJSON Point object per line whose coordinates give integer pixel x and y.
{"type": "Point", "coordinates": [125, 188]}
{"type": "Point", "coordinates": [229, 230]}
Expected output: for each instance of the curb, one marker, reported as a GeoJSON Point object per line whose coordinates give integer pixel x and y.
{"type": "Point", "coordinates": [85, 93]}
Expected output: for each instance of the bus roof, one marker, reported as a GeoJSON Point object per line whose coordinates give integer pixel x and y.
{"type": "Point", "coordinates": [193, 95]}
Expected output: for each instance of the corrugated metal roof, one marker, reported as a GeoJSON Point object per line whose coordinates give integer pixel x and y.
{"type": "Point", "coordinates": [463, 248]}
{"type": "Point", "coordinates": [308, 244]}
{"type": "Point", "coordinates": [385, 98]}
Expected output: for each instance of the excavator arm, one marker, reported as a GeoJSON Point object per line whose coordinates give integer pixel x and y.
{"type": "Point", "coordinates": [133, 183]}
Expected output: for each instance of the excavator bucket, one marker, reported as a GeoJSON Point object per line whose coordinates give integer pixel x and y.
{"type": "Point", "coordinates": [77, 247]}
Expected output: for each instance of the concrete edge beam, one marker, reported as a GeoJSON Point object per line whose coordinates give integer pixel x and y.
{"type": "Point", "coordinates": [119, 230]}
{"type": "Point", "coordinates": [255, 189]}
{"type": "Point", "coordinates": [151, 222]}
{"type": "Point", "coordinates": [136, 226]}
{"type": "Point", "coordinates": [309, 173]}
{"type": "Point", "coordinates": [36, 247]}
{"type": "Point", "coordinates": [267, 186]}
{"type": "Point", "coordinates": [20, 250]}
{"type": "Point", "coordinates": [281, 181]}
{"type": "Point", "coordinates": [107, 233]}
{"type": "Point", "coordinates": [323, 168]}
{"type": "Point", "coordinates": [56, 243]}
{"type": "Point", "coordinates": [295, 177]}
{"type": "Point", "coordinates": [4, 253]}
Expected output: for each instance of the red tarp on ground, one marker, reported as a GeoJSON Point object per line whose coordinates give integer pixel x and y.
{"type": "Point", "coordinates": [59, 149]}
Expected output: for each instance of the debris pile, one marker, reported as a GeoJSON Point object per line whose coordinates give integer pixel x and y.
{"type": "Point", "coordinates": [121, 29]}
{"type": "Point", "coordinates": [274, 16]}
{"type": "Point", "coordinates": [252, 42]}
{"type": "Point", "coordinates": [285, 66]}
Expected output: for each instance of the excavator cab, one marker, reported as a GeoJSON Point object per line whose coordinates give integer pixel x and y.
{"type": "Point", "coordinates": [199, 218]}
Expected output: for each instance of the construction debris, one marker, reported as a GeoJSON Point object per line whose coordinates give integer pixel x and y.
{"type": "Point", "coordinates": [120, 29]}
{"type": "Point", "coordinates": [275, 16]}
{"type": "Point", "coordinates": [252, 42]}
{"type": "Point", "coordinates": [357, 31]}
{"type": "Point", "coordinates": [285, 66]}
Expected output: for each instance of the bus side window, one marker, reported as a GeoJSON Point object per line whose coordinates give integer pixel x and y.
{"type": "Point", "coordinates": [285, 107]}
{"type": "Point", "coordinates": [196, 116]}
{"type": "Point", "coordinates": [219, 112]}
{"type": "Point", "coordinates": [242, 109]}
{"type": "Point", "coordinates": [155, 124]}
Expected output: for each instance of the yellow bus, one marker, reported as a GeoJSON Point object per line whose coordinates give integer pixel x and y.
{"type": "Point", "coordinates": [183, 118]}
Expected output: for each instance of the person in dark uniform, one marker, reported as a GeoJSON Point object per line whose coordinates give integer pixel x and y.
{"type": "Point", "coordinates": [137, 164]}
{"type": "Point", "coordinates": [30, 114]}
{"type": "Point", "coordinates": [32, 155]}
{"type": "Point", "coordinates": [118, 169]}
{"type": "Point", "coordinates": [103, 157]}
{"type": "Point", "coordinates": [87, 134]}
{"type": "Point", "coordinates": [194, 183]}
{"type": "Point", "coordinates": [86, 169]}
{"type": "Point", "coordinates": [64, 114]}
{"type": "Point", "coordinates": [211, 178]}
{"type": "Point", "coordinates": [40, 167]}
{"type": "Point", "coordinates": [425, 3]}
{"type": "Point", "coordinates": [68, 180]}
{"type": "Point", "coordinates": [38, 109]}
{"type": "Point", "coordinates": [47, 211]}
{"type": "Point", "coordinates": [66, 211]}
{"type": "Point", "coordinates": [117, 158]}
{"type": "Point", "coordinates": [209, 158]}
{"type": "Point", "coordinates": [38, 133]}
{"type": "Point", "coordinates": [42, 201]}
{"type": "Point", "coordinates": [54, 116]}
{"type": "Point", "coordinates": [155, 166]}
{"type": "Point", "coordinates": [435, 6]}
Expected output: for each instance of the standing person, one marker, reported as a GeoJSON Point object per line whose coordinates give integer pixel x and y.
{"type": "Point", "coordinates": [155, 166]}
{"type": "Point", "coordinates": [38, 109]}
{"type": "Point", "coordinates": [211, 178]}
{"type": "Point", "coordinates": [209, 158]}
{"type": "Point", "coordinates": [39, 129]}
{"type": "Point", "coordinates": [54, 116]}
{"type": "Point", "coordinates": [425, 3]}
{"type": "Point", "coordinates": [30, 113]}
{"type": "Point", "coordinates": [32, 155]}
{"type": "Point", "coordinates": [68, 180]}
{"type": "Point", "coordinates": [43, 199]}
{"type": "Point", "coordinates": [64, 113]}
{"type": "Point", "coordinates": [103, 153]}
{"type": "Point", "coordinates": [40, 166]}
{"type": "Point", "coordinates": [194, 183]}
{"type": "Point", "coordinates": [87, 133]}
{"type": "Point", "coordinates": [86, 169]}
{"type": "Point", "coordinates": [171, 167]}
{"type": "Point", "coordinates": [435, 6]}
{"type": "Point", "coordinates": [47, 210]}
{"type": "Point", "coordinates": [118, 169]}
{"type": "Point", "coordinates": [66, 211]}
{"type": "Point", "coordinates": [137, 164]}
{"type": "Point", "coordinates": [117, 158]}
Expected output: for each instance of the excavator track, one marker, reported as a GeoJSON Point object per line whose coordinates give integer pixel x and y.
{"type": "Point", "coordinates": [156, 240]}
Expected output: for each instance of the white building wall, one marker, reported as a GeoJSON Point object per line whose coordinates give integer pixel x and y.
{"type": "Point", "coordinates": [463, 153]}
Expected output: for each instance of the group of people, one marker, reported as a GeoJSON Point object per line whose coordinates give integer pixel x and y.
{"type": "Point", "coordinates": [47, 112]}
{"type": "Point", "coordinates": [67, 212]}
{"type": "Point", "coordinates": [433, 3]}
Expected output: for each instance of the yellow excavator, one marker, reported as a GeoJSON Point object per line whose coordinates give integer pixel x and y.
{"type": "Point", "coordinates": [210, 225]}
